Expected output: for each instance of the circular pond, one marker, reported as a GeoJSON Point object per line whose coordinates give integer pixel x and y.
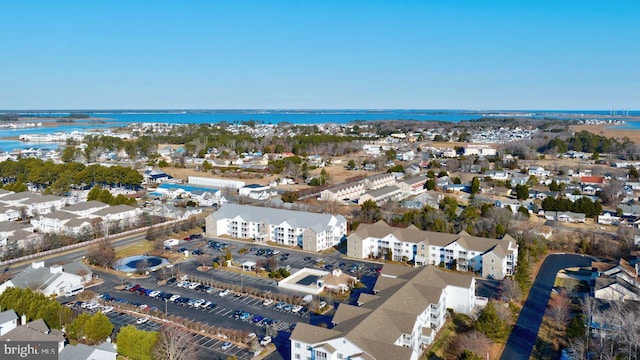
{"type": "Point", "coordinates": [134, 263]}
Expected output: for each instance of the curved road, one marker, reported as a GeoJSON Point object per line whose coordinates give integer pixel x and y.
{"type": "Point", "coordinates": [525, 332]}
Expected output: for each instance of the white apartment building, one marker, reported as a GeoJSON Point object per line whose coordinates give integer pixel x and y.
{"type": "Point", "coordinates": [379, 181]}
{"type": "Point", "coordinates": [339, 193]}
{"type": "Point", "coordinates": [311, 231]}
{"type": "Point", "coordinates": [493, 258]}
{"type": "Point", "coordinates": [480, 150]}
{"type": "Point", "coordinates": [398, 321]}
{"type": "Point", "coordinates": [34, 204]}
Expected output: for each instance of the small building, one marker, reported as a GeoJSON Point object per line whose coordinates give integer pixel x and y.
{"type": "Point", "coordinates": [51, 281]}
{"type": "Point", "coordinates": [336, 281]}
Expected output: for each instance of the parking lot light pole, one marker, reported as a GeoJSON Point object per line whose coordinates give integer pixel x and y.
{"type": "Point", "coordinates": [165, 308]}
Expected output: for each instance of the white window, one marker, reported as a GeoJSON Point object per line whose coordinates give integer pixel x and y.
{"type": "Point", "coordinates": [321, 355]}
{"type": "Point", "coordinates": [297, 345]}
{"type": "Point", "coordinates": [298, 357]}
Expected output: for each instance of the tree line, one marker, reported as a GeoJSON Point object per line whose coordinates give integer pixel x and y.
{"type": "Point", "coordinates": [59, 178]}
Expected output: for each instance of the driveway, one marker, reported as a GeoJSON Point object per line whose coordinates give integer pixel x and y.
{"type": "Point", "coordinates": [525, 332]}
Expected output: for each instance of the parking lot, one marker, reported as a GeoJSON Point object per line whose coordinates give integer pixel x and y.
{"type": "Point", "coordinates": [234, 310]}
{"type": "Point", "coordinates": [209, 346]}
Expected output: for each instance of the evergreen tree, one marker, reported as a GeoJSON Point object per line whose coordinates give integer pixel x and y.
{"type": "Point", "coordinates": [475, 185]}
{"type": "Point", "coordinates": [136, 344]}
{"type": "Point", "coordinates": [575, 329]}
{"type": "Point", "coordinates": [523, 271]}
{"type": "Point", "coordinates": [490, 324]}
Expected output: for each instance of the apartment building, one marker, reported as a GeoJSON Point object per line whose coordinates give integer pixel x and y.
{"type": "Point", "coordinates": [311, 231]}
{"type": "Point", "coordinates": [401, 317]}
{"type": "Point", "coordinates": [493, 258]}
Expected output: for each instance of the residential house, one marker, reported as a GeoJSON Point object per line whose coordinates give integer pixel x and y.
{"type": "Point", "coordinates": [398, 321]}
{"type": "Point", "coordinates": [8, 321]}
{"type": "Point", "coordinates": [497, 175]}
{"type": "Point", "coordinates": [619, 282]}
{"type": "Point", "coordinates": [608, 218]}
{"type": "Point", "coordinates": [49, 281]}
{"type": "Point", "coordinates": [519, 180]}
{"type": "Point", "coordinates": [630, 210]}
{"type": "Point", "coordinates": [34, 332]}
{"type": "Point", "coordinates": [539, 172]}
{"type": "Point", "coordinates": [510, 204]}
{"type": "Point", "coordinates": [460, 251]}
{"type": "Point", "coordinates": [592, 180]}
{"type": "Point", "coordinates": [311, 231]}
{"type": "Point", "coordinates": [414, 185]}
{"type": "Point", "coordinates": [104, 351]}
{"type": "Point", "coordinates": [382, 195]}
{"type": "Point", "coordinates": [565, 216]}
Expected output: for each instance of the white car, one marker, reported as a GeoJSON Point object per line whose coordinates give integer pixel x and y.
{"type": "Point", "coordinates": [106, 309]}
{"type": "Point", "coordinates": [198, 303]}
{"type": "Point", "coordinates": [267, 302]}
{"type": "Point", "coordinates": [296, 309]}
{"type": "Point", "coordinates": [226, 346]}
{"type": "Point", "coordinates": [265, 341]}
{"type": "Point", "coordinates": [174, 297]}
{"type": "Point", "coordinates": [224, 292]}
{"type": "Point", "coordinates": [183, 284]}
{"type": "Point", "coordinates": [92, 306]}
{"type": "Point", "coordinates": [154, 293]}
{"type": "Point", "coordinates": [193, 285]}
{"type": "Point", "coordinates": [142, 320]}
{"type": "Point", "coordinates": [322, 305]}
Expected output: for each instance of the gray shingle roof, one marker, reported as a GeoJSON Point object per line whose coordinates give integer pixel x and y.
{"type": "Point", "coordinates": [297, 219]}
{"type": "Point", "coordinates": [7, 316]}
{"type": "Point", "coordinates": [87, 205]}
{"type": "Point", "coordinates": [116, 209]}
{"type": "Point", "coordinates": [82, 351]}
{"type": "Point", "coordinates": [382, 319]}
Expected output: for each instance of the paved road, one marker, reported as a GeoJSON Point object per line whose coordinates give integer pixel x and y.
{"type": "Point", "coordinates": [525, 332]}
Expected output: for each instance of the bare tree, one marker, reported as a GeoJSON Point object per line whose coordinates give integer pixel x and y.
{"type": "Point", "coordinates": [474, 341]}
{"type": "Point", "coordinates": [626, 235]}
{"type": "Point", "coordinates": [102, 254]}
{"type": "Point", "coordinates": [175, 343]}
{"type": "Point", "coordinates": [510, 289]}
{"type": "Point", "coordinates": [612, 192]}
{"type": "Point", "coordinates": [560, 309]}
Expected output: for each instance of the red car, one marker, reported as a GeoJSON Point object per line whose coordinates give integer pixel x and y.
{"type": "Point", "coordinates": [134, 288]}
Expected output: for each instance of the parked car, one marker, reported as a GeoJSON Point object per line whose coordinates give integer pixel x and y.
{"type": "Point", "coordinates": [267, 302]}
{"type": "Point", "coordinates": [226, 346]}
{"type": "Point", "coordinates": [141, 321]}
{"type": "Point", "coordinates": [265, 340]}
{"type": "Point", "coordinates": [174, 297]}
{"type": "Point", "coordinates": [224, 292]}
{"type": "Point", "coordinates": [171, 281]}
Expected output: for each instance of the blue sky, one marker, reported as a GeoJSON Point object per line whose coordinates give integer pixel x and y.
{"type": "Point", "coordinates": [320, 54]}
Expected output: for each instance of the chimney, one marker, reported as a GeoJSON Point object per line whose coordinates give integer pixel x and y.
{"type": "Point", "coordinates": [23, 319]}
{"type": "Point", "coordinates": [56, 269]}
{"type": "Point", "coordinates": [37, 264]}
